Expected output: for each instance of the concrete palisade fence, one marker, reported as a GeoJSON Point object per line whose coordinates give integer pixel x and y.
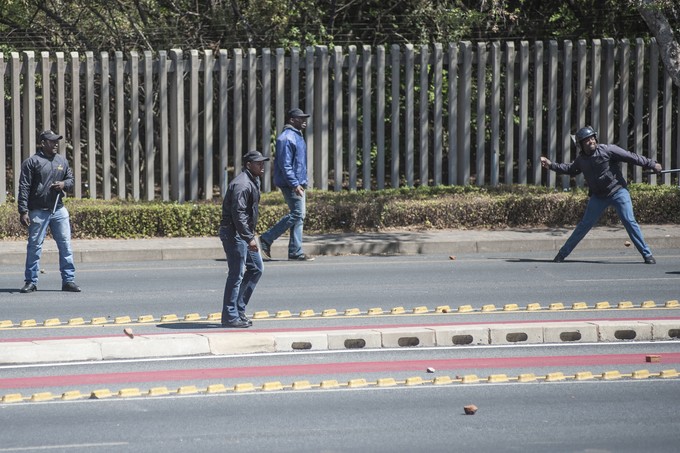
{"type": "Point", "coordinates": [172, 126]}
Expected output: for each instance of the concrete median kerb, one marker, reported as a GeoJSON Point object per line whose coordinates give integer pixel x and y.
{"type": "Point", "coordinates": [225, 343]}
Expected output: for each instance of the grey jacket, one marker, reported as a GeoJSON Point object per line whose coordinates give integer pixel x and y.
{"type": "Point", "coordinates": [602, 170]}
{"type": "Point", "coordinates": [38, 173]}
{"type": "Point", "coordinates": [240, 208]}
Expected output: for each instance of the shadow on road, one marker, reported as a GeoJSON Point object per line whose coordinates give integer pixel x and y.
{"type": "Point", "coordinates": [529, 260]}
{"type": "Point", "coordinates": [190, 325]}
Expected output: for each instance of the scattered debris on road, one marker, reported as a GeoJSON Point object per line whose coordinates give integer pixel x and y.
{"type": "Point", "coordinates": [470, 409]}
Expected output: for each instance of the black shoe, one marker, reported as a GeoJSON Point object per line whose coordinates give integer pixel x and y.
{"type": "Point", "coordinates": [558, 259]}
{"type": "Point", "coordinates": [237, 323]}
{"type": "Point", "coordinates": [70, 287]}
{"type": "Point", "coordinates": [650, 260]}
{"type": "Point", "coordinates": [242, 316]}
{"type": "Point", "coordinates": [301, 257]}
{"type": "Point", "coordinates": [28, 288]}
{"type": "Point", "coordinates": [265, 250]}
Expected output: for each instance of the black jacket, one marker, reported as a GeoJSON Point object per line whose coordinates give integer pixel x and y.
{"type": "Point", "coordinates": [240, 208]}
{"type": "Point", "coordinates": [38, 173]}
{"type": "Point", "coordinates": [602, 170]}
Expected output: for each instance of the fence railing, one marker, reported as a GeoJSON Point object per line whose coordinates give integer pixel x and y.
{"type": "Point", "coordinates": [174, 125]}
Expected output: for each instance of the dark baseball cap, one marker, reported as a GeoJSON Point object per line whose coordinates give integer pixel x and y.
{"type": "Point", "coordinates": [254, 156]}
{"type": "Point", "coordinates": [49, 135]}
{"type": "Point", "coordinates": [297, 113]}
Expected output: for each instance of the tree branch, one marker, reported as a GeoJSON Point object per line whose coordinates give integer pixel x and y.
{"type": "Point", "coordinates": [652, 13]}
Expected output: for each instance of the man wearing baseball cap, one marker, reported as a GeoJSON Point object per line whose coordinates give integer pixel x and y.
{"type": "Point", "coordinates": [290, 175]}
{"type": "Point", "coordinates": [44, 178]}
{"type": "Point", "coordinates": [240, 210]}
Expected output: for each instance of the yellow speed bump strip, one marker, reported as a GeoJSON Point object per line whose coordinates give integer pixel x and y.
{"type": "Point", "coordinates": [72, 395]}
{"type": "Point", "coordinates": [216, 388]}
{"type": "Point", "coordinates": [158, 391]}
{"type": "Point", "coordinates": [442, 310]}
{"type": "Point", "coordinates": [557, 376]}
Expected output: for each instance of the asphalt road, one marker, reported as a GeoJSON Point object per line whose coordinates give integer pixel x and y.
{"type": "Point", "coordinates": [346, 401]}
{"type": "Point", "coordinates": [565, 415]}
{"type": "Point", "coordinates": [561, 417]}
{"type": "Point", "coordinates": [342, 366]}
{"type": "Point", "coordinates": [180, 287]}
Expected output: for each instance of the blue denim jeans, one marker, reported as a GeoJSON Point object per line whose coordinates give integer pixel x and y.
{"type": "Point", "coordinates": [596, 206]}
{"type": "Point", "coordinates": [292, 221]}
{"type": "Point", "coordinates": [60, 228]}
{"type": "Point", "coordinates": [245, 270]}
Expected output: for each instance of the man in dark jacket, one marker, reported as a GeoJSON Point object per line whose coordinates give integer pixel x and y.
{"type": "Point", "coordinates": [44, 177]}
{"type": "Point", "coordinates": [599, 164]}
{"type": "Point", "coordinates": [237, 232]}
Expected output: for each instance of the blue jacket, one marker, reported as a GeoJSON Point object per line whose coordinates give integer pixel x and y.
{"type": "Point", "coordinates": [290, 162]}
{"type": "Point", "coordinates": [602, 170]}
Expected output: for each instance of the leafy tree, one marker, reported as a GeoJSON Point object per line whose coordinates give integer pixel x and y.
{"type": "Point", "coordinates": [576, 19]}
{"type": "Point", "coordinates": [654, 14]}
{"type": "Point", "coordinates": [163, 24]}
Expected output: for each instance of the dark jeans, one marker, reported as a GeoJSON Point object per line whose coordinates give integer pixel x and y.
{"type": "Point", "coordinates": [245, 270]}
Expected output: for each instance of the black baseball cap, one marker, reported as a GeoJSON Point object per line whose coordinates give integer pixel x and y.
{"type": "Point", "coordinates": [49, 135]}
{"type": "Point", "coordinates": [254, 156]}
{"type": "Point", "coordinates": [297, 113]}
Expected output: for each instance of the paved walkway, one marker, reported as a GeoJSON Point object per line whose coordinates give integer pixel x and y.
{"type": "Point", "coordinates": [385, 242]}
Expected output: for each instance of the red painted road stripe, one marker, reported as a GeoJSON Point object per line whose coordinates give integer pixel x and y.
{"type": "Point", "coordinates": [455, 365]}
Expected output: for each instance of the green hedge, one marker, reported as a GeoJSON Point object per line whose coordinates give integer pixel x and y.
{"type": "Point", "coordinates": [424, 207]}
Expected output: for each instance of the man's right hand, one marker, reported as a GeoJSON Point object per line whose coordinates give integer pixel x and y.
{"type": "Point", "coordinates": [23, 218]}
{"type": "Point", "coordinates": [545, 162]}
{"type": "Point", "coordinates": [299, 190]}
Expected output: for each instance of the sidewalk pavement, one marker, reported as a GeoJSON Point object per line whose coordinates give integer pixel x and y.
{"type": "Point", "coordinates": [393, 242]}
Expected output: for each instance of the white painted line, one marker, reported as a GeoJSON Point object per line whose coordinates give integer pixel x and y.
{"type": "Point", "coordinates": [66, 446]}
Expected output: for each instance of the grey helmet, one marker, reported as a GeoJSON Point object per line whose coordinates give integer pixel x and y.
{"type": "Point", "coordinates": [584, 133]}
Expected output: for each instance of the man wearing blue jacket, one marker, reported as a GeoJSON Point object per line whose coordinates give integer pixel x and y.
{"type": "Point", "coordinates": [44, 178]}
{"type": "Point", "coordinates": [600, 165]}
{"type": "Point", "coordinates": [290, 175]}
